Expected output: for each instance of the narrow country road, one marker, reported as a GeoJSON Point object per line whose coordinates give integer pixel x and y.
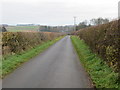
{"type": "Point", "coordinates": [57, 67]}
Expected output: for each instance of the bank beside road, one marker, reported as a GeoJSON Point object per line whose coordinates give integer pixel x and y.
{"type": "Point", "coordinates": [101, 74]}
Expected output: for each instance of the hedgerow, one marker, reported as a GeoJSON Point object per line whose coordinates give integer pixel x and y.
{"type": "Point", "coordinates": [104, 40]}
{"type": "Point", "coordinates": [16, 42]}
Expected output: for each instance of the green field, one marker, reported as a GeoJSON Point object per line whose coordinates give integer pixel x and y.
{"type": "Point", "coordinates": [101, 74]}
{"type": "Point", "coordinates": [22, 28]}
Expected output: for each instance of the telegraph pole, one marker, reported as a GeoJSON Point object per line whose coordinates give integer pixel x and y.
{"type": "Point", "coordinates": [74, 23]}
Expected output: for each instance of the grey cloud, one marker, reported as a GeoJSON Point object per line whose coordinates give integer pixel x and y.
{"type": "Point", "coordinates": [53, 13]}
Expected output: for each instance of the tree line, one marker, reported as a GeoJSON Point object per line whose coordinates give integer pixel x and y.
{"type": "Point", "coordinates": [92, 22]}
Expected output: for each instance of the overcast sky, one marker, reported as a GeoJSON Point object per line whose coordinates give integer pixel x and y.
{"type": "Point", "coordinates": [56, 12]}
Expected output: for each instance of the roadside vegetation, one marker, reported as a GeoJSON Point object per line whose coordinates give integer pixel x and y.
{"type": "Point", "coordinates": [17, 42]}
{"type": "Point", "coordinates": [101, 74]}
{"type": "Point", "coordinates": [13, 61]}
{"type": "Point", "coordinates": [104, 40]}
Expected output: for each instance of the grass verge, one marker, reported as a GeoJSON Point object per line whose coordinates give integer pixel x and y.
{"type": "Point", "coordinates": [12, 62]}
{"type": "Point", "coordinates": [101, 74]}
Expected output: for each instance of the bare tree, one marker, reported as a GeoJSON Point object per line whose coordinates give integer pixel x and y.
{"type": "Point", "coordinates": [99, 21]}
